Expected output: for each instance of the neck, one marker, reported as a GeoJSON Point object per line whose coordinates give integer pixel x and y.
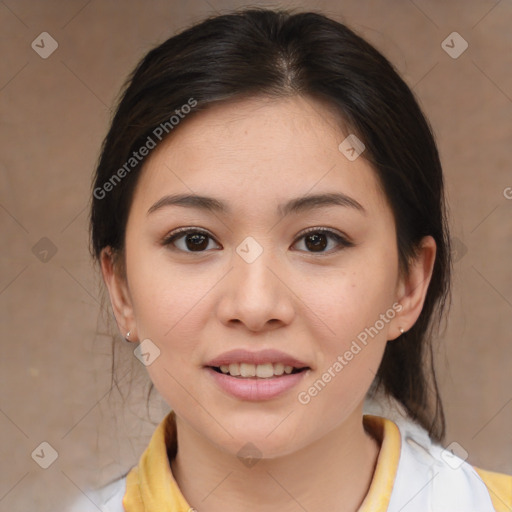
{"type": "Point", "coordinates": [336, 469]}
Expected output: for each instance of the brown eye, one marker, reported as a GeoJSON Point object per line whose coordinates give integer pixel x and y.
{"type": "Point", "coordinates": [316, 240]}
{"type": "Point", "coordinates": [191, 240]}
{"type": "Point", "coordinates": [196, 241]}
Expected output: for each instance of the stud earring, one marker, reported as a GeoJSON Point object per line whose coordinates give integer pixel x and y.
{"type": "Point", "coordinates": [401, 330]}
{"type": "Point", "coordinates": [128, 336]}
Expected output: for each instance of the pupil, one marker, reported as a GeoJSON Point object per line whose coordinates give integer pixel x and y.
{"type": "Point", "coordinates": [318, 241]}
{"type": "Point", "coordinates": [197, 240]}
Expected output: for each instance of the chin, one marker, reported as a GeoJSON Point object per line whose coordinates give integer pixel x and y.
{"type": "Point", "coordinates": [266, 441]}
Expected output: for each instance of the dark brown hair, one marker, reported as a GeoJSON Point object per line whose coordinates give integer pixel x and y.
{"type": "Point", "coordinates": [277, 53]}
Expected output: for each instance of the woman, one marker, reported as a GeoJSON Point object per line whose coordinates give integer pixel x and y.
{"type": "Point", "coordinates": [269, 218]}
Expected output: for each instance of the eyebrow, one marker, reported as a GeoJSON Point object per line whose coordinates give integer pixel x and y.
{"type": "Point", "coordinates": [296, 205]}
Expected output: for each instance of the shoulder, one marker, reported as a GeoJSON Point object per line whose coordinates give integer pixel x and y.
{"type": "Point", "coordinates": [108, 498]}
{"type": "Point", "coordinates": [451, 483]}
{"type": "Point", "coordinates": [443, 479]}
{"type": "Point", "coordinates": [500, 488]}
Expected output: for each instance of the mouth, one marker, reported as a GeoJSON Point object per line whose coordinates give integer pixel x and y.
{"type": "Point", "coordinates": [257, 371]}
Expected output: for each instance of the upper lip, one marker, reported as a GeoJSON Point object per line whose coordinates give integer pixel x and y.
{"type": "Point", "coordinates": [259, 357]}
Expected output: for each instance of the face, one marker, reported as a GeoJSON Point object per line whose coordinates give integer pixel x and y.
{"type": "Point", "coordinates": [304, 284]}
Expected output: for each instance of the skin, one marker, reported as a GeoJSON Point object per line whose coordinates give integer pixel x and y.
{"type": "Point", "coordinates": [254, 154]}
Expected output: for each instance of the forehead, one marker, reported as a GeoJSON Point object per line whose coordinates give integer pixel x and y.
{"type": "Point", "coordinates": [257, 152]}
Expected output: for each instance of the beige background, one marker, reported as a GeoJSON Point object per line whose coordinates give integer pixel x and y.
{"type": "Point", "coordinates": [55, 365]}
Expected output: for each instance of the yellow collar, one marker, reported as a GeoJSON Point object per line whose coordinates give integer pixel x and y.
{"type": "Point", "coordinates": [151, 486]}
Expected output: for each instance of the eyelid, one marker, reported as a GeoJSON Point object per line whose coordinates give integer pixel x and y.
{"type": "Point", "coordinates": [323, 229]}
{"type": "Point", "coordinates": [188, 229]}
{"type": "Point", "coordinates": [177, 233]}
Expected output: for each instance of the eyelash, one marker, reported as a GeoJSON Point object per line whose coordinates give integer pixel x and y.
{"type": "Point", "coordinates": [181, 232]}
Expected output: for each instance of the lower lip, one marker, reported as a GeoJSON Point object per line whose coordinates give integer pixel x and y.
{"type": "Point", "coordinates": [253, 388]}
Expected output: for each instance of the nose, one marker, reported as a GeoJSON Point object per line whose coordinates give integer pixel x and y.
{"type": "Point", "coordinates": [256, 295]}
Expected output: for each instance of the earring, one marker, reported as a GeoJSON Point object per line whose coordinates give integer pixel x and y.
{"type": "Point", "coordinates": [401, 330]}
{"type": "Point", "coordinates": [128, 335]}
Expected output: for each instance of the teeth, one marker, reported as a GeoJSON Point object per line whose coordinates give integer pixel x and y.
{"type": "Point", "coordinates": [247, 370]}
{"type": "Point", "coordinates": [278, 369]}
{"type": "Point", "coordinates": [263, 371]}
{"type": "Point", "coordinates": [234, 369]}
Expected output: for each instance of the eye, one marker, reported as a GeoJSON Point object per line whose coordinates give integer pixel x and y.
{"type": "Point", "coordinates": [197, 240]}
{"type": "Point", "coordinates": [316, 240]}
{"type": "Point", "coordinates": [194, 239]}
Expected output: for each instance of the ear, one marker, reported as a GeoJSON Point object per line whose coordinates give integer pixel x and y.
{"type": "Point", "coordinates": [412, 289]}
{"type": "Point", "coordinates": [114, 276]}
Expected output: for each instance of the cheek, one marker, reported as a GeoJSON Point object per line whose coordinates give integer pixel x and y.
{"type": "Point", "coordinates": [351, 310]}
{"type": "Point", "coordinates": [355, 311]}
{"type": "Point", "coordinates": [166, 297]}
{"type": "Point", "coordinates": [343, 303]}
{"type": "Point", "coordinates": [170, 310]}
{"type": "Point", "coordinates": [340, 386]}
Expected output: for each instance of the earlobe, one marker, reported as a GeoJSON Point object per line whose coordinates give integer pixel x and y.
{"type": "Point", "coordinates": [120, 299]}
{"type": "Point", "coordinates": [412, 289]}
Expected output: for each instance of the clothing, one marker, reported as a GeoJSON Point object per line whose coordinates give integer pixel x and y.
{"type": "Point", "coordinates": [412, 474]}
